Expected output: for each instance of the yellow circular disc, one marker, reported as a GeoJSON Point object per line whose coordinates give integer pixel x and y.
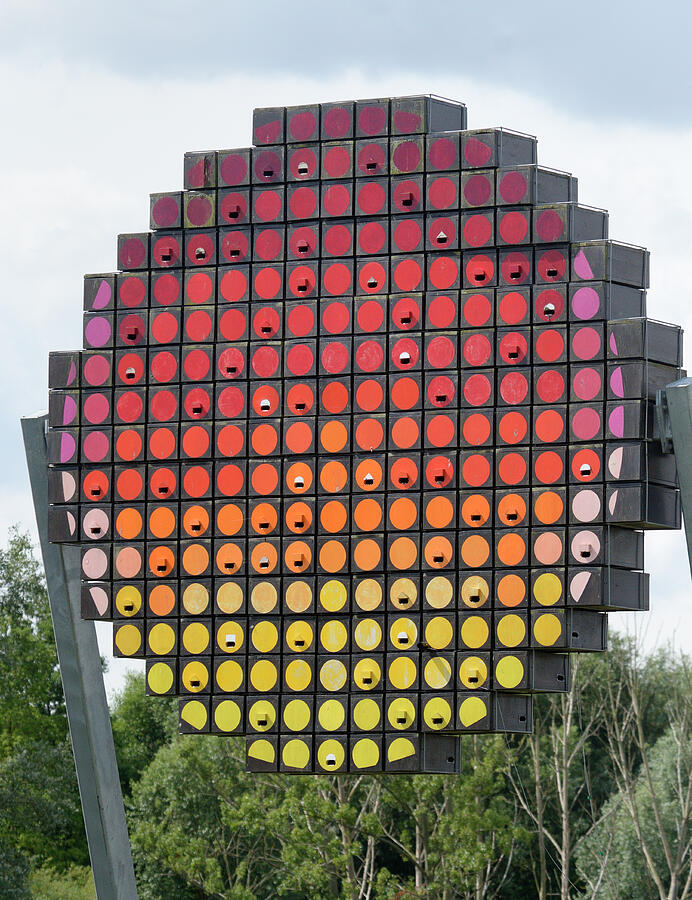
{"type": "Point", "coordinates": [365, 753]}
{"type": "Point", "coordinates": [367, 674]}
{"type": "Point", "coordinates": [128, 600]}
{"type": "Point", "coordinates": [195, 638]}
{"type": "Point", "coordinates": [403, 634]}
{"type": "Point", "coordinates": [229, 598]}
{"type": "Point", "coordinates": [366, 714]}
{"type": "Point", "coordinates": [474, 632]}
{"type": "Point", "coordinates": [400, 748]}
{"type": "Point", "coordinates": [333, 675]}
{"type": "Point", "coordinates": [402, 672]}
{"type": "Point", "coordinates": [161, 639]}
{"type": "Point", "coordinates": [472, 710]}
{"type": "Point", "coordinates": [263, 675]}
{"type": "Point", "coordinates": [230, 637]}
{"type": "Point", "coordinates": [264, 636]}
{"type": "Point", "coordinates": [331, 755]}
{"type": "Point", "coordinates": [403, 593]}
{"type": "Point", "coordinates": [547, 629]}
{"type": "Point", "coordinates": [368, 634]}
{"type": "Point", "coordinates": [437, 672]}
{"type": "Point", "coordinates": [509, 672]}
{"type": "Point", "coordinates": [298, 675]}
{"type": "Point", "coordinates": [333, 595]}
{"type": "Point", "coordinates": [262, 750]}
{"type": "Point", "coordinates": [298, 596]}
{"type": "Point", "coordinates": [368, 594]}
{"type": "Point", "coordinates": [194, 712]}
{"type": "Point", "coordinates": [437, 713]}
{"type": "Point", "coordinates": [195, 676]}
{"type": "Point", "coordinates": [331, 715]}
{"type": "Point", "coordinates": [547, 589]}
{"type": "Point", "coordinates": [227, 715]}
{"type": "Point", "coordinates": [333, 635]}
{"type": "Point", "coordinates": [299, 636]}
{"type": "Point", "coordinates": [473, 672]}
{"type": "Point", "coordinates": [439, 592]}
{"type": "Point", "coordinates": [439, 632]}
{"type": "Point", "coordinates": [296, 715]}
{"type": "Point", "coordinates": [401, 713]}
{"type": "Point", "coordinates": [475, 591]}
{"type": "Point", "coordinates": [195, 599]}
{"type": "Point", "coordinates": [511, 630]}
{"type": "Point", "coordinates": [261, 715]}
{"type": "Point", "coordinates": [264, 597]}
{"type": "Point", "coordinates": [295, 754]}
{"type": "Point", "coordinates": [128, 639]}
{"type": "Point", "coordinates": [160, 678]}
{"type": "Point", "coordinates": [229, 676]}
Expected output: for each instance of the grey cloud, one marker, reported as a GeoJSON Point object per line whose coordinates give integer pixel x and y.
{"type": "Point", "coordinates": [618, 59]}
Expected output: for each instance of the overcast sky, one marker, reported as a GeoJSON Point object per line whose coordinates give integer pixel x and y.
{"type": "Point", "coordinates": [98, 103]}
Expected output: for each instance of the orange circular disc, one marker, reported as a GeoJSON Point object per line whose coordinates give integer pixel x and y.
{"type": "Point", "coordinates": [475, 511]}
{"type": "Point", "coordinates": [403, 553]}
{"type": "Point", "coordinates": [511, 590]}
{"type": "Point", "coordinates": [405, 393]}
{"type": "Point", "coordinates": [195, 559]}
{"type": "Point", "coordinates": [438, 552]}
{"type": "Point", "coordinates": [440, 431]}
{"type": "Point", "coordinates": [195, 441]}
{"type": "Point", "coordinates": [334, 436]}
{"type": "Point", "coordinates": [369, 475]}
{"type": "Point", "coordinates": [265, 478]}
{"type": "Point", "coordinates": [333, 516]}
{"type": "Point", "coordinates": [403, 473]}
{"type": "Point", "coordinates": [511, 549]}
{"type": "Point", "coordinates": [264, 557]}
{"type": "Point", "coordinates": [512, 427]}
{"type": "Point", "coordinates": [367, 514]}
{"type": "Point", "coordinates": [369, 434]}
{"type": "Point", "coordinates": [299, 437]}
{"type": "Point", "coordinates": [403, 513]}
{"type": "Point", "coordinates": [511, 468]}
{"type": "Point", "coordinates": [128, 524]}
{"type": "Point", "coordinates": [333, 477]}
{"type": "Point", "coordinates": [298, 517]}
{"type": "Point", "coordinates": [511, 509]}
{"type": "Point", "coordinates": [548, 467]}
{"type": "Point", "coordinates": [298, 556]}
{"type": "Point", "coordinates": [548, 507]}
{"type": "Point", "coordinates": [229, 519]}
{"type": "Point", "coordinates": [367, 554]}
{"type": "Point", "coordinates": [550, 426]}
{"type": "Point", "coordinates": [439, 512]}
{"type": "Point", "coordinates": [405, 432]}
{"type": "Point", "coordinates": [229, 559]}
{"type": "Point", "coordinates": [299, 478]}
{"type": "Point", "coordinates": [475, 551]}
{"type": "Point", "coordinates": [162, 600]}
{"type": "Point", "coordinates": [264, 439]}
{"type": "Point", "coordinates": [332, 556]}
{"type": "Point", "coordinates": [196, 520]}
{"type": "Point", "coordinates": [263, 518]}
{"type": "Point", "coordinates": [162, 522]}
{"type": "Point", "coordinates": [476, 429]}
{"type": "Point", "coordinates": [161, 561]}
{"type": "Point", "coordinates": [475, 470]}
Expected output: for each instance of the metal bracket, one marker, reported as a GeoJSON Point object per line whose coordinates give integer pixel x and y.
{"type": "Point", "coordinates": [85, 696]}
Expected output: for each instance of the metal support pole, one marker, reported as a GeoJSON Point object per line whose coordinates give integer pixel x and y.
{"type": "Point", "coordinates": [85, 695]}
{"type": "Point", "coordinates": [674, 412]}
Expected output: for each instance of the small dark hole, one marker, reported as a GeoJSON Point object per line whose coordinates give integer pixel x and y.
{"type": "Point", "coordinates": [522, 718]}
{"type": "Point", "coordinates": [552, 273]}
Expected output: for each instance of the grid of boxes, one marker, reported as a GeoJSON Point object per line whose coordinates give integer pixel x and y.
{"type": "Point", "coordinates": [360, 444]}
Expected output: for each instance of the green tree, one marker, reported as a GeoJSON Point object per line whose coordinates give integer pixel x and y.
{"type": "Point", "coordinates": [32, 706]}
{"type": "Point", "coordinates": [141, 726]}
